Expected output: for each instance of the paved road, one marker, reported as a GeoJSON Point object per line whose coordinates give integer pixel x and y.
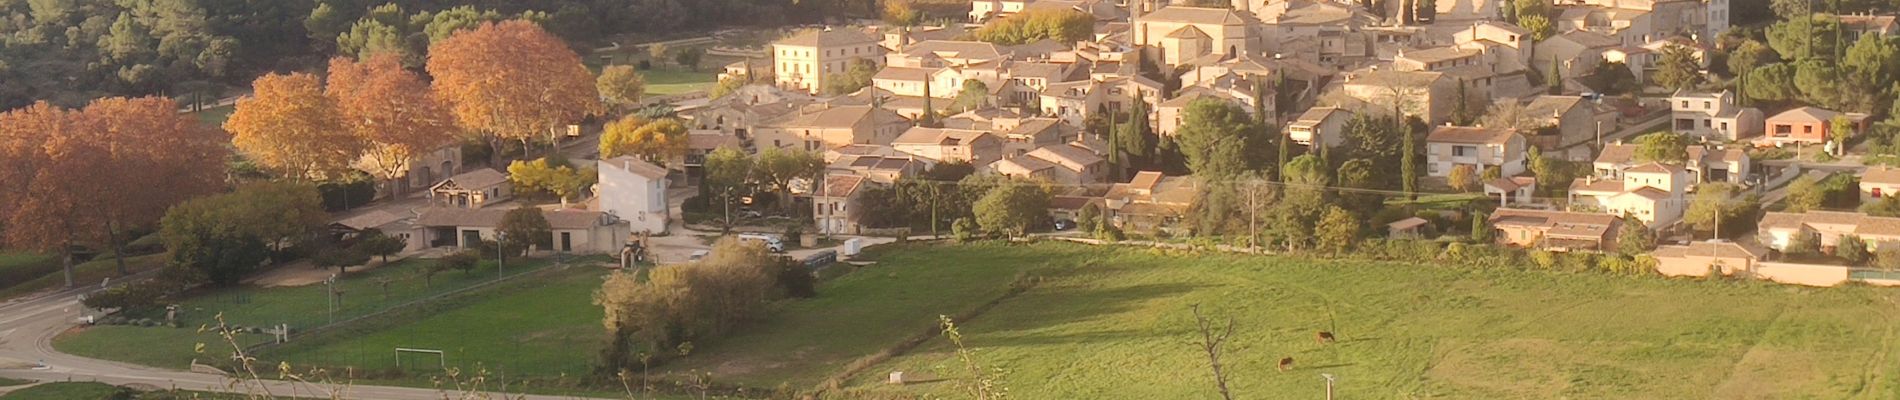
{"type": "Point", "coordinates": [27, 329]}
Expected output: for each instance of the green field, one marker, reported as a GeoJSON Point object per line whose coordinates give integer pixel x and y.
{"type": "Point", "coordinates": [549, 327]}
{"type": "Point", "coordinates": [667, 81]}
{"type": "Point", "coordinates": [1116, 323]}
{"type": "Point", "coordinates": [214, 117]}
{"type": "Point", "coordinates": [4, 382]}
{"type": "Point", "coordinates": [99, 391]}
{"type": "Point", "coordinates": [302, 307]}
{"type": "Point", "coordinates": [64, 391]}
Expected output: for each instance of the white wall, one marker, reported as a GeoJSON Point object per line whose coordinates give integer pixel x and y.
{"type": "Point", "coordinates": [634, 198]}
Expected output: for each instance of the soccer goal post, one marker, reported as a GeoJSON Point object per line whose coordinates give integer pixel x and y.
{"type": "Point", "coordinates": [441, 360]}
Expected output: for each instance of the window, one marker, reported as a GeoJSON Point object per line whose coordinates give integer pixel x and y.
{"type": "Point", "coordinates": [1807, 129]}
{"type": "Point", "coordinates": [1461, 151]}
{"type": "Point", "coordinates": [1706, 104]}
{"type": "Point", "coordinates": [1685, 104]}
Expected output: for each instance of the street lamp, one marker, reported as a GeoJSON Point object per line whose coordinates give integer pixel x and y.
{"type": "Point", "coordinates": [1329, 385]}
{"type": "Point", "coordinates": [329, 288]}
{"type": "Point", "coordinates": [501, 248]}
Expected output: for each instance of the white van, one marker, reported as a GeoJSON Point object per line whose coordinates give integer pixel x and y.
{"type": "Point", "coordinates": [771, 242]}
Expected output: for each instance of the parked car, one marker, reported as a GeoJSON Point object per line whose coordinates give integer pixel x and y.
{"type": "Point", "coordinates": [771, 242]}
{"type": "Point", "coordinates": [698, 255]}
{"type": "Point", "coordinates": [1064, 224]}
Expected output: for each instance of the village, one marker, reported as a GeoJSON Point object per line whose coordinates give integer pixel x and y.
{"type": "Point", "coordinates": [943, 199]}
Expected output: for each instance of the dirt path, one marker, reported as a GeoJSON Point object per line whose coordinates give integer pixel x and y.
{"type": "Point", "coordinates": [304, 273]}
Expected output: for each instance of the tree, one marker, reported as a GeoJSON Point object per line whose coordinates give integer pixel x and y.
{"type": "Point", "coordinates": [1373, 138]}
{"type": "Point", "coordinates": [777, 168]}
{"type": "Point", "coordinates": [464, 261]}
{"type": "Point", "coordinates": [340, 257]}
{"type": "Point", "coordinates": [1868, 69]}
{"type": "Point", "coordinates": [975, 95]}
{"type": "Point", "coordinates": [1888, 206]}
{"type": "Point", "coordinates": [512, 81]}
{"type": "Point", "coordinates": [727, 171]}
{"type": "Point", "coordinates": [1303, 202]}
{"type": "Point", "coordinates": [49, 165]}
{"type": "Point", "coordinates": [901, 13]}
{"type": "Point", "coordinates": [554, 176]}
{"type": "Point", "coordinates": [1132, 143]}
{"type": "Point", "coordinates": [1839, 129]}
{"type": "Point", "coordinates": [1061, 25]}
{"type": "Point", "coordinates": [1211, 343]}
{"type": "Point", "coordinates": [856, 78]}
{"type": "Point", "coordinates": [289, 125]}
{"type": "Point", "coordinates": [1820, 83]}
{"type": "Point", "coordinates": [1709, 207]}
{"type": "Point", "coordinates": [1634, 238]}
{"type": "Point", "coordinates": [1011, 208]}
{"type": "Point", "coordinates": [389, 108]}
{"type": "Point", "coordinates": [689, 57]}
{"type": "Point", "coordinates": [1804, 194]}
{"type": "Point", "coordinates": [1853, 249]}
{"type": "Point", "coordinates": [1337, 231]}
{"type": "Point", "coordinates": [1361, 174]}
{"type": "Point", "coordinates": [153, 143]}
{"type": "Point", "coordinates": [1539, 25]}
{"type": "Point", "coordinates": [1678, 68]}
{"type": "Point", "coordinates": [523, 227]}
{"type": "Point", "coordinates": [1662, 147]}
{"type": "Point", "coordinates": [676, 304]}
{"type": "Point", "coordinates": [1480, 230]}
{"type": "Point", "coordinates": [1772, 83]}
{"type": "Point", "coordinates": [620, 86]}
{"type": "Point", "coordinates": [1219, 139]}
{"type": "Point", "coordinates": [376, 243]}
{"type": "Point", "coordinates": [657, 142]}
{"type": "Point", "coordinates": [1462, 178]}
{"type": "Point", "coordinates": [1510, 115]}
{"type": "Point", "coordinates": [227, 236]}
{"type": "Point", "coordinates": [1749, 55]}
{"type": "Point", "coordinates": [1802, 38]}
{"type": "Point", "coordinates": [727, 85]}
{"type": "Point", "coordinates": [1408, 156]}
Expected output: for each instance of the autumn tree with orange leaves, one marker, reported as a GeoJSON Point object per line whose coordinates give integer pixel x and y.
{"type": "Point", "coordinates": [46, 203]}
{"type": "Point", "coordinates": [289, 125]}
{"type": "Point", "coordinates": [70, 177]}
{"type": "Point", "coordinates": [149, 142]}
{"type": "Point", "coordinates": [390, 109]}
{"type": "Point", "coordinates": [512, 81]}
{"type": "Point", "coordinates": [653, 141]}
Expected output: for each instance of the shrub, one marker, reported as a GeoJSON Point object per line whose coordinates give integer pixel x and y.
{"type": "Point", "coordinates": [964, 229]}
{"type": "Point", "coordinates": [464, 261]}
{"type": "Point", "coordinates": [1853, 249]}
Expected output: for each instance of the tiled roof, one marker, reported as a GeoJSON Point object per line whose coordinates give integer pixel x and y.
{"type": "Point", "coordinates": [828, 37]}
{"type": "Point", "coordinates": [1195, 15]}
{"type": "Point", "coordinates": [477, 179]}
{"type": "Point", "coordinates": [842, 185]}
{"type": "Point", "coordinates": [1466, 134]}
{"type": "Point", "coordinates": [636, 166]}
{"type": "Point", "coordinates": [490, 217]}
{"type": "Point", "coordinates": [1881, 175]}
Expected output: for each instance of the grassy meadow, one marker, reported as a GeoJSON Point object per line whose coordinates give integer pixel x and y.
{"type": "Point", "coordinates": [1111, 322]}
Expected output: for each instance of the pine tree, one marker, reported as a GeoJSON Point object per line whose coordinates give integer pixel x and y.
{"type": "Point", "coordinates": [1556, 78]}
{"type": "Point", "coordinates": [1461, 111]}
{"type": "Point", "coordinates": [1408, 165]}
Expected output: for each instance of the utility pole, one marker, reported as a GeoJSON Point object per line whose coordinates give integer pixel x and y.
{"type": "Point", "coordinates": [501, 247]}
{"type": "Point", "coordinates": [1253, 208]}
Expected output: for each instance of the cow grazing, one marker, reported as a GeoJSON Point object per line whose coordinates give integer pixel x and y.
{"type": "Point", "coordinates": [1323, 337]}
{"type": "Point", "coordinates": [1286, 364]}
